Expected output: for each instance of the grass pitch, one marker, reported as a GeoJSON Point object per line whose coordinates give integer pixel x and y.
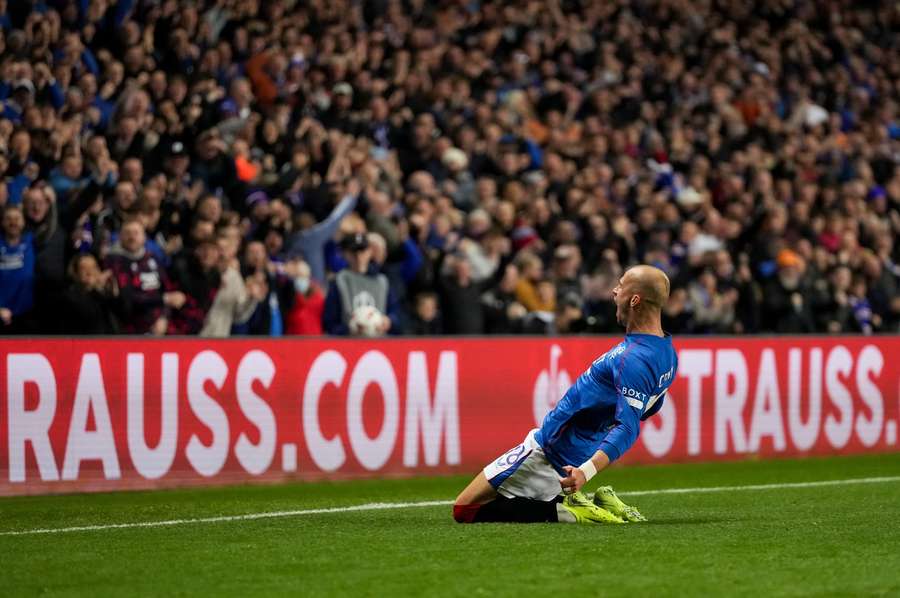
{"type": "Point", "coordinates": [820, 540]}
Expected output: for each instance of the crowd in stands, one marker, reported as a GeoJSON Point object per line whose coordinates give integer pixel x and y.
{"type": "Point", "coordinates": [270, 167]}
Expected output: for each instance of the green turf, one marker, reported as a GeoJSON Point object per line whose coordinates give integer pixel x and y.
{"type": "Point", "coordinates": [834, 540]}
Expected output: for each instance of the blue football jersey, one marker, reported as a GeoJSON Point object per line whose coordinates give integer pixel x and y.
{"type": "Point", "coordinates": [604, 408]}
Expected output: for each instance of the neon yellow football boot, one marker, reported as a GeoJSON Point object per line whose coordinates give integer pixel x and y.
{"type": "Point", "coordinates": [606, 498]}
{"type": "Point", "coordinates": [585, 511]}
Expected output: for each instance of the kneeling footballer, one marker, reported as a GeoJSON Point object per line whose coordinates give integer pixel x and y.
{"type": "Point", "coordinates": [594, 424]}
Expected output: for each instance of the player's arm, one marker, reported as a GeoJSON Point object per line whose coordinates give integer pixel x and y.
{"type": "Point", "coordinates": [653, 408]}
{"type": "Point", "coordinates": [620, 438]}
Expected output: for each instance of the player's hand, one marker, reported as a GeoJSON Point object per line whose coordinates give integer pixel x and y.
{"type": "Point", "coordinates": [574, 480]}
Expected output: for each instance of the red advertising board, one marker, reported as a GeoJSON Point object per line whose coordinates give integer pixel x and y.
{"type": "Point", "coordinates": [82, 415]}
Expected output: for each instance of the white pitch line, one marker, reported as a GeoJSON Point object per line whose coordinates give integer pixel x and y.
{"type": "Point", "coordinates": [380, 506]}
{"type": "Point", "coordinates": [375, 506]}
{"type": "Point", "coordinates": [700, 490]}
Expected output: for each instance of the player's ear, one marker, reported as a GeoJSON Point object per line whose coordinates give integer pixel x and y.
{"type": "Point", "coordinates": [635, 300]}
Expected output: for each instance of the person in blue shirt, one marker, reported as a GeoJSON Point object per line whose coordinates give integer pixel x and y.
{"type": "Point", "coordinates": [17, 258]}
{"type": "Point", "coordinates": [596, 422]}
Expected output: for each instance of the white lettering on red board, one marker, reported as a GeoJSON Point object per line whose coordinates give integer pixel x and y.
{"type": "Point", "coordinates": [431, 419]}
{"type": "Point", "coordinates": [428, 423]}
{"type": "Point", "coordinates": [30, 427]}
{"type": "Point", "coordinates": [743, 423]}
{"type": "Point", "coordinates": [152, 463]}
{"type": "Point", "coordinates": [83, 444]}
{"type": "Point", "coordinates": [823, 397]}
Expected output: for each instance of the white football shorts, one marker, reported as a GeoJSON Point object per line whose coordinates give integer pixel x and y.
{"type": "Point", "coordinates": [524, 471]}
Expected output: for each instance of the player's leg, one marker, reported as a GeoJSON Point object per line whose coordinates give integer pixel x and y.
{"type": "Point", "coordinates": [477, 493]}
{"type": "Point", "coordinates": [529, 493]}
{"type": "Point", "coordinates": [538, 479]}
{"type": "Point", "coordinates": [481, 502]}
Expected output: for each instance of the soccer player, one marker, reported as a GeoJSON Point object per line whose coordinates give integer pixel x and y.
{"type": "Point", "coordinates": [596, 421]}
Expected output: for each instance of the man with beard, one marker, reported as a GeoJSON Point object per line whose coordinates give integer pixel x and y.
{"type": "Point", "coordinates": [786, 306]}
{"type": "Point", "coordinates": [146, 293]}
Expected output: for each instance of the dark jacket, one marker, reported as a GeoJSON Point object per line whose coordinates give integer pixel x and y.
{"type": "Point", "coordinates": [461, 306]}
{"type": "Point", "coordinates": [200, 288]}
{"type": "Point", "coordinates": [495, 305]}
{"type": "Point", "coordinates": [89, 312]}
{"type": "Point", "coordinates": [781, 314]}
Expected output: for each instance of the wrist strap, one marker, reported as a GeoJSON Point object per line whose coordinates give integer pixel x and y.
{"type": "Point", "coordinates": [588, 469]}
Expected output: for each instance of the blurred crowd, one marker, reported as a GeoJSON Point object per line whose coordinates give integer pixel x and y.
{"type": "Point", "coordinates": [278, 167]}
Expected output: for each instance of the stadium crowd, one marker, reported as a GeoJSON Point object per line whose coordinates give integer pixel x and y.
{"type": "Point", "coordinates": [223, 167]}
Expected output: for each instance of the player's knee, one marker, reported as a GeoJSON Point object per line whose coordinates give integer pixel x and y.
{"type": "Point", "coordinates": [464, 513]}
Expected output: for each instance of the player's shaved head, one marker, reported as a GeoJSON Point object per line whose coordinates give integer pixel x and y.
{"type": "Point", "coordinates": [650, 283]}
{"type": "Point", "coordinates": [640, 296]}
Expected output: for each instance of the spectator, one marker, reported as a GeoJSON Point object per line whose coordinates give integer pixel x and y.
{"type": "Point", "coordinates": [676, 313]}
{"type": "Point", "coordinates": [836, 315]}
{"type": "Point", "coordinates": [483, 143]}
{"type": "Point", "coordinates": [273, 289]}
{"type": "Point", "coordinates": [712, 308]}
{"type": "Point", "coordinates": [531, 270]}
{"type": "Point", "coordinates": [461, 298]}
{"type": "Point", "coordinates": [565, 271]}
{"type": "Point", "coordinates": [309, 243]}
{"type": "Point", "coordinates": [145, 291]}
{"type": "Point", "coordinates": [786, 299]}
{"type": "Point", "coordinates": [483, 247]}
{"type": "Point", "coordinates": [425, 321]}
{"type": "Point", "coordinates": [502, 312]}
{"type": "Point", "coordinates": [569, 316]}
{"type": "Point", "coordinates": [91, 300]}
{"type": "Point", "coordinates": [460, 184]}
{"type": "Point", "coordinates": [542, 321]}
{"type": "Point", "coordinates": [67, 177]}
{"type": "Point", "coordinates": [17, 259]}
{"type": "Point", "coordinates": [50, 254]}
{"type": "Point", "coordinates": [357, 287]}
{"type": "Point", "coordinates": [235, 300]}
{"type": "Point", "coordinates": [196, 273]}
{"type": "Point", "coordinates": [599, 306]}
{"type": "Point", "coordinates": [305, 317]}
{"type": "Point", "coordinates": [882, 290]}
{"type": "Point", "coordinates": [124, 205]}
{"type": "Point", "coordinates": [214, 169]}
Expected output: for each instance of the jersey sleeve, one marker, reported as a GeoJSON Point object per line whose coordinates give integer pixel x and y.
{"type": "Point", "coordinates": [654, 406]}
{"type": "Point", "coordinates": [632, 394]}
